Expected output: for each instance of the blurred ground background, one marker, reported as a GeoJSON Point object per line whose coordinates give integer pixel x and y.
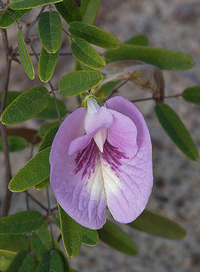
{"type": "Point", "coordinates": [173, 24]}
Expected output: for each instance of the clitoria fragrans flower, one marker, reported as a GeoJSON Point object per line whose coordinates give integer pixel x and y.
{"type": "Point", "coordinates": [102, 156]}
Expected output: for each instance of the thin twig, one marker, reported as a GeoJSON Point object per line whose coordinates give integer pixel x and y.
{"type": "Point", "coordinates": [151, 98]}
{"type": "Point", "coordinates": [115, 90]}
{"type": "Point", "coordinates": [49, 215]}
{"type": "Point", "coordinates": [67, 33]}
{"type": "Point", "coordinates": [30, 25]}
{"type": "Point", "coordinates": [37, 202]}
{"type": "Point", "coordinates": [3, 128]}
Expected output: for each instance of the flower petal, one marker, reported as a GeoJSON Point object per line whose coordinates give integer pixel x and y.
{"type": "Point", "coordinates": [123, 133]}
{"type": "Point", "coordinates": [131, 180]}
{"type": "Point", "coordinates": [77, 180]}
{"type": "Point", "coordinates": [102, 119]}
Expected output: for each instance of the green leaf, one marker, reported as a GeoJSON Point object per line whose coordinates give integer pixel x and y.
{"type": "Point", "coordinates": [158, 225]}
{"type": "Point", "coordinates": [15, 144]}
{"type": "Point", "coordinates": [50, 111]}
{"type": "Point", "coordinates": [65, 262]}
{"type": "Point", "coordinates": [78, 82]}
{"type": "Point", "coordinates": [46, 65]}
{"type": "Point", "coordinates": [23, 262]}
{"type": "Point", "coordinates": [40, 241]}
{"type": "Point", "coordinates": [34, 172]}
{"type": "Point", "coordinates": [192, 95]}
{"type": "Point", "coordinates": [16, 242]}
{"type": "Point", "coordinates": [44, 128]}
{"type": "Point", "coordinates": [137, 40]}
{"type": "Point", "coordinates": [93, 35]}
{"type": "Point", "coordinates": [86, 54]}
{"type": "Point", "coordinates": [50, 31]}
{"type": "Point", "coordinates": [6, 258]}
{"type": "Point", "coordinates": [71, 234]}
{"type": "Point", "coordinates": [42, 184]}
{"type": "Point", "coordinates": [48, 138]}
{"type": "Point", "coordinates": [176, 130]}
{"type": "Point", "coordinates": [90, 237]}
{"type": "Point", "coordinates": [51, 261]}
{"type": "Point", "coordinates": [26, 106]}
{"type": "Point", "coordinates": [26, 4]}
{"type": "Point", "coordinates": [24, 56]}
{"type": "Point", "coordinates": [89, 10]}
{"type": "Point", "coordinates": [6, 20]}
{"type": "Point", "coordinates": [21, 222]}
{"type": "Point", "coordinates": [116, 238]}
{"type": "Point", "coordinates": [162, 58]}
{"type": "Point", "coordinates": [69, 11]}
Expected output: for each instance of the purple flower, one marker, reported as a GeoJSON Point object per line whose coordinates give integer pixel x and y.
{"type": "Point", "coordinates": [102, 156]}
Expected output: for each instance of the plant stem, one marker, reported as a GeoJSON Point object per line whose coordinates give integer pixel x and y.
{"type": "Point", "coordinates": [36, 201]}
{"type": "Point", "coordinates": [30, 25]}
{"type": "Point", "coordinates": [151, 98]}
{"type": "Point", "coordinates": [3, 128]}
